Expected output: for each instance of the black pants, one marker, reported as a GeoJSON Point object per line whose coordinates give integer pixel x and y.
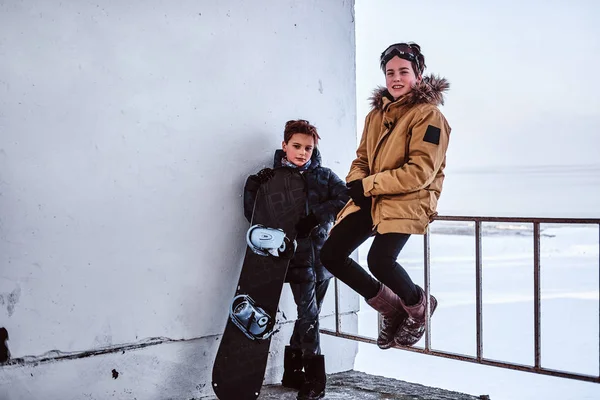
{"type": "Point", "coordinates": [350, 233]}
{"type": "Point", "coordinates": [309, 298]}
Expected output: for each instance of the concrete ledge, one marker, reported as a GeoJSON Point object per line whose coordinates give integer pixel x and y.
{"type": "Point", "coordinates": [358, 385]}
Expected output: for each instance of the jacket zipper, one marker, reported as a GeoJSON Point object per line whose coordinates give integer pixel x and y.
{"type": "Point", "coordinates": [306, 209]}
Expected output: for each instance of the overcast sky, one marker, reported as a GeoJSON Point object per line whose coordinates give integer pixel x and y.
{"type": "Point", "coordinates": [523, 73]}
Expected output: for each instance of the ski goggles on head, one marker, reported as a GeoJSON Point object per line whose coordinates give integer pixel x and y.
{"type": "Point", "coordinates": [401, 50]}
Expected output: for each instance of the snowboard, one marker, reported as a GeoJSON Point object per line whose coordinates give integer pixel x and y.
{"type": "Point", "coordinates": [241, 360]}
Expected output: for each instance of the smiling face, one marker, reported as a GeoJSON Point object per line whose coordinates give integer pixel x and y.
{"type": "Point", "coordinates": [400, 77]}
{"type": "Point", "coordinates": [299, 148]}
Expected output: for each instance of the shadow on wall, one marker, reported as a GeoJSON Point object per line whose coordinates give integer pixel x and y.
{"type": "Point", "coordinates": [4, 352]}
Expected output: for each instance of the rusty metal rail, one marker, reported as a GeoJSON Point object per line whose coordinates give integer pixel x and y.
{"type": "Point", "coordinates": [479, 359]}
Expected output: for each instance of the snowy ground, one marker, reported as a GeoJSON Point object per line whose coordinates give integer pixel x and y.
{"type": "Point", "coordinates": [570, 322]}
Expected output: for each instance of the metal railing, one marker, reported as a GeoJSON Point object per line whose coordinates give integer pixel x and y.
{"type": "Point", "coordinates": [479, 358]}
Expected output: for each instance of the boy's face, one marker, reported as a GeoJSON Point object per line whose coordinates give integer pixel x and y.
{"type": "Point", "coordinates": [299, 148]}
{"type": "Point", "coordinates": [400, 77]}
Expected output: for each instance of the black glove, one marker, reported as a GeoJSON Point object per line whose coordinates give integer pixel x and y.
{"type": "Point", "coordinates": [357, 192]}
{"type": "Point", "coordinates": [263, 175]}
{"type": "Point", "coordinates": [306, 225]}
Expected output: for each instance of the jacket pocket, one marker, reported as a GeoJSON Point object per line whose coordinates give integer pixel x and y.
{"type": "Point", "coordinates": [402, 206]}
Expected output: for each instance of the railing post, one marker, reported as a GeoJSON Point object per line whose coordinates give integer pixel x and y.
{"type": "Point", "coordinates": [537, 296]}
{"type": "Point", "coordinates": [427, 272]}
{"type": "Point", "coordinates": [478, 290]}
{"type": "Point", "coordinates": [338, 320]}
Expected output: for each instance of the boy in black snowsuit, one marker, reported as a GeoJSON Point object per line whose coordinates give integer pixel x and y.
{"type": "Point", "coordinates": [304, 366]}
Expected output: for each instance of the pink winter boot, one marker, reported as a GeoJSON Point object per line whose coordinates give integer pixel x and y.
{"type": "Point", "coordinates": [413, 328]}
{"type": "Point", "coordinates": [390, 306]}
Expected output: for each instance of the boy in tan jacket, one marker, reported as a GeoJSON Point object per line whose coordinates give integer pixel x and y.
{"type": "Point", "coordinates": [395, 183]}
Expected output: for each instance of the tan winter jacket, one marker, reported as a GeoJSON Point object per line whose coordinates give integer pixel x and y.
{"type": "Point", "coordinates": [401, 158]}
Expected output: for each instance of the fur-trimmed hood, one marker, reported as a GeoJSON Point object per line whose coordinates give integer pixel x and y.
{"type": "Point", "coordinates": [430, 90]}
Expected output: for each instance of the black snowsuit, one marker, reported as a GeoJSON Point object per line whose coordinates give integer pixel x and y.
{"type": "Point", "coordinates": [326, 195]}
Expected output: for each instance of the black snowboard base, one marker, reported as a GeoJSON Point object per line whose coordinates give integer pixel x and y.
{"type": "Point", "coordinates": [241, 360]}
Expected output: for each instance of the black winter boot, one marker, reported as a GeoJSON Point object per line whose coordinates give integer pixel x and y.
{"type": "Point", "coordinates": [293, 375]}
{"type": "Point", "coordinates": [314, 387]}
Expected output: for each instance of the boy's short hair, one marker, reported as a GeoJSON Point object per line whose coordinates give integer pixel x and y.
{"type": "Point", "coordinates": [301, 126]}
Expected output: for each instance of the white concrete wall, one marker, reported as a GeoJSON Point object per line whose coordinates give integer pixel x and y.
{"type": "Point", "coordinates": [127, 129]}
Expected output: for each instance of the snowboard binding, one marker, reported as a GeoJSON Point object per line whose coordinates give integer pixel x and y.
{"type": "Point", "coordinates": [253, 321]}
{"type": "Point", "coordinates": [266, 241]}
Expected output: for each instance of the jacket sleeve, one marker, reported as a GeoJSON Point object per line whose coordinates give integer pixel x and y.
{"type": "Point", "coordinates": [337, 197]}
{"type": "Point", "coordinates": [359, 168]}
{"type": "Point", "coordinates": [426, 153]}
{"type": "Point", "coordinates": [250, 190]}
